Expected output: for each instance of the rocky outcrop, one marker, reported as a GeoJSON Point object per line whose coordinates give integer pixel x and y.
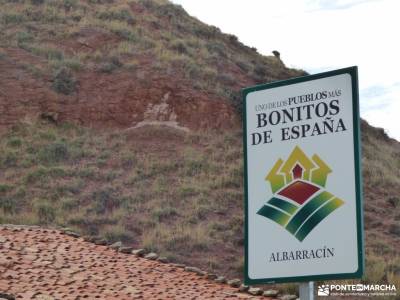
{"type": "Point", "coordinates": [117, 100]}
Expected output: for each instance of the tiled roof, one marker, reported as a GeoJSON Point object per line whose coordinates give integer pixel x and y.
{"type": "Point", "coordinates": [37, 263]}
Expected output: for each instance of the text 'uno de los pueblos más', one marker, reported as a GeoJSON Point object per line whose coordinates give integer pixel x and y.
{"type": "Point", "coordinates": [318, 112]}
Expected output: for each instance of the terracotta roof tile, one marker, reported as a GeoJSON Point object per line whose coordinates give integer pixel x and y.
{"type": "Point", "coordinates": [46, 264]}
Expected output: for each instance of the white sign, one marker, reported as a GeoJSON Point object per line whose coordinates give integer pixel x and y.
{"type": "Point", "coordinates": [302, 179]}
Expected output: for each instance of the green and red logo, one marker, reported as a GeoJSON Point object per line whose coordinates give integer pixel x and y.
{"type": "Point", "coordinates": [300, 201]}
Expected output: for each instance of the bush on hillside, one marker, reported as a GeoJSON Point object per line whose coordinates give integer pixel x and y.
{"type": "Point", "coordinates": [260, 71]}
{"type": "Point", "coordinates": [69, 4]}
{"type": "Point", "coordinates": [394, 201]}
{"type": "Point", "coordinates": [45, 212]}
{"type": "Point", "coordinates": [111, 65]}
{"type": "Point", "coordinates": [24, 37]}
{"type": "Point", "coordinates": [105, 200]}
{"type": "Point", "coordinates": [180, 47]}
{"type": "Point", "coordinates": [64, 81]}
{"type": "Point", "coordinates": [207, 32]}
{"type": "Point", "coordinates": [37, 2]}
{"type": "Point", "coordinates": [116, 14]}
{"type": "Point", "coordinates": [395, 229]}
{"type": "Point", "coordinates": [54, 153]}
{"type": "Point", "coordinates": [8, 205]}
{"type": "Point", "coordinates": [217, 48]}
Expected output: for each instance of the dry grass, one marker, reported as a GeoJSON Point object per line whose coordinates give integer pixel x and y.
{"type": "Point", "coordinates": [381, 162]}
{"type": "Point", "coordinates": [187, 206]}
{"type": "Point", "coordinates": [163, 34]}
{"type": "Point", "coordinates": [102, 184]}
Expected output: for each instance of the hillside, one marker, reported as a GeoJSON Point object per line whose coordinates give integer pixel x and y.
{"type": "Point", "coordinates": [118, 63]}
{"type": "Point", "coordinates": [84, 88]}
{"type": "Point", "coordinates": [177, 193]}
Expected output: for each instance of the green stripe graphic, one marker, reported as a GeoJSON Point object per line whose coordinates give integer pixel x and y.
{"type": "Point", "coordinates": [274, 214]}
{"type": "Point", "coordinates": [300, 222]}
{"type": "Point", "coordinates": [307, 210]}
{"type": "Point", "coordinates": [316, 218]}
{"type": "Point", "coordinates": [284, 205]}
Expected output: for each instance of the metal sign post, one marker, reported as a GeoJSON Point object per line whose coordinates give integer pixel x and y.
{"type": "Point", "coordinates": [306, 290]}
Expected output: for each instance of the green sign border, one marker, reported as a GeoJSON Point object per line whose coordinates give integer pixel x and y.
{"type": "Point", "coordinates": [352, 71]}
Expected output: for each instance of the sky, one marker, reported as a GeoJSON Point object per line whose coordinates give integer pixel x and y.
{"type": "Point", "coordinates": [322, 35]}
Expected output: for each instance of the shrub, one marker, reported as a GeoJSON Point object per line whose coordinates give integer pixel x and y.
{"type": "Point", "coordinates": [170, 10]}
{"type": "Point", "coordinates": [72, 187]}
{"type": "Point", "coordinates": [8, 205]}
{"type": "Point", "coordinates": [192, 70]}
{"type": "Point", "coordinates": [381, 247]}
{"type": "Point", "coordinates": [69, 4]}
{"type": "Point", "coordinates": [394, 201]}
{"type": "Point", "coordinates": [64, 81]}
{"type": "Point", "coordinates": [50, 14]}
{"type": "Point", "coordinates": [128, 160]}
{"type": "Point", "coordinates": [88, 173]}
{"type": "Point", "coordinates": [234, 97]}
{"type": "Point", "coordinates": [4, 188]}
{"type": "Point", "coordinates": [205, 31]}
{"type": "Point", "coordinates": [72, 63]}
{"type": "Point", "coordinates": [24, 37]}
{"type": "Point", "coordinates": [111, 175]}
{"type": "Point", "coordinates": [226, 79]}
{"type": "Point", "coordinates": [112, 64]}
{"type": "Point", "coordinates": [14, 142]}
{"type": "Point", "coordinates": [198, 240]}
{"type": "Point", "coordinates": [126, 34]}
{"type": "Point", "coordinates": [47, 135]}
{"type": "Point", "coordinates": [289, 288]}
{"type": "Point", "coordinates": [41, 174]}
{"type": "Point", "coordinates": [260, 71]}
{"type": "Point", "coordinates": [148, 4]}
{"type": "Point", "coordinates": [187, 191]}
{"type": "Point", "coordinates": [233, 38]}
{"type": "Point", "coordinates": [38, 175]}
{"type": "Point", "coordinates": [218, 227]}
{"type": "Point", "coordinates": [123, 48]}
{"type": "Point", "coordinates": [374, 270]}
{"type": "Point", "coordinates": [195, 164]}
{"type": "Point", "coordinates": [217, 48]}
{"type": "Point", "coordinates": [395, 229]}
{"type": "Point", "coordinates": [117, 233]}
{"type": "Point", "coordinates": [243, 66]}
{"type": "Point", "coordinates": [201, 212]}
{"type": "Point", "coordinates": [180, 47]}
{"type": "Point", "coordinates": [69, 204]}
{"type": "Point", "coordinates": [164, 213]}
{"type": "Point", "coordinates": [107, 68]}
{"type": "Point", "coordinates": [122, 29]}
{"type": "Point", "coordinates": [116, 14]}
{"type": "Point", "coordinates": [37, 2]}
{"type": "Point", "coordinates": [178, 240]}
{"type": "Point", "coordinates": [393, 278]}
{"type": "Point", "coordinates": [45, 212]}
{"type": "Point", "coordinates": [105, 200]}
{"type": "Point", "coordinates": [53, 153]}
{"type": "Point", "coordinates": [8, 159]}
{"type": "Point", "coordinates": [12, 18]}
{"type": "Point", "coordinates": [45, 51]}
{"type": "Point", "coordinates": [76, 17]}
